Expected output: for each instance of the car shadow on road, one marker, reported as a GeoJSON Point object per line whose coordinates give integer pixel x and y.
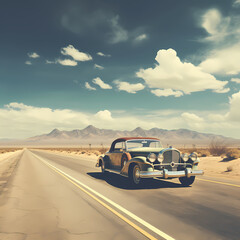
{"type": "Point", "coordinates": [123, 183]}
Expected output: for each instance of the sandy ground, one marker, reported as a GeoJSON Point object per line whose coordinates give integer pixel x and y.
{"type": "Point", "coordinates": [8, 161]}
{"type": "Point", "coordinates": [212, 166]}
{"type": "Point", "coordinates": [219, 167]}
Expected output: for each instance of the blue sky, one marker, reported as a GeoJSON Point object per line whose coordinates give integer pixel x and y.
{"type": "Point", "coordinates": [119, 64]}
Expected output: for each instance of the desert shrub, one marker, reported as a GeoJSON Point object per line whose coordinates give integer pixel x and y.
{"type": "Point", "coordinates": [233, 153]}
{"type": "Point", "coordinates": [217, 148]}
{"type": "Point", "coordinates": [229, 168]}
{"type": "Point", "coordinates": [203, 153]}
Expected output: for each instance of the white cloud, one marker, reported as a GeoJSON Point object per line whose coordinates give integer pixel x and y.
{"type": "Point", "coordinates": [171, 73]}
{"type": "Point", "coordinates": [118, 34]}
{"type": "Point", "coordinates": [89, 87]}
{"type": "Point", "coordinates": [141, 37]}
{"type": "Point", "coordinates": [33, 55]}
{"type": "Point", "coordinates": [234, 113]}
{"type": "Point", "coordinates": [166, 93]}
{"type": "Point", "coordinates": [50, 62]}
{"type": "Point", "coordinates": [236, 3]}
{"type": "Point", "coordinates": [76, 54]}
{"type": "Point", "coordinates": [19, 120]}
{"type": "Point", "coordinates": [104, 115]}
{"type": "Point", "coordinates": [67, 62]}
{"type": "Point", "coordinates": [224, 90]}
{"type": "Point", "coordinates": [236, 80]}
{"type": "Point", "coordinates": [98, 67]}
{"type": "Point", "coordinates": [193, 121]}
{"type": "Point", "coordinates": [103, 55]}
{"type": "Point", "coordinates": [223, 61]}
{"type": "Point", "coordinates": [28, 63]}
{"type": "Point", "coordinates": [215, 25]}
{"type": "Point", "coordinates": [98, 81]}
{"type": "Point", "coordinates": [129, 87]}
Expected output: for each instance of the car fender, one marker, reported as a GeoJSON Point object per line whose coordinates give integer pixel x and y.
{"type": "Point", "coordinates": [141, 161]}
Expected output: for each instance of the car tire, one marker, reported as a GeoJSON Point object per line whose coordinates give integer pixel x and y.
{"type": "Point", "coordinates": [103, 169]}
{"type": "Point", "coordinates": [185, 181]}
{"type": "Point", "coordinates": [135, 175]}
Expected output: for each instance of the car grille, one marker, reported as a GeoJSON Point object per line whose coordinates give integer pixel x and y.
{"type": "Point", "coordinates": [171, 156]}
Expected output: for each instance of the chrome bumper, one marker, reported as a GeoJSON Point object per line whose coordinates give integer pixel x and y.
{"type": "Point", "coordinates": [171, 174]}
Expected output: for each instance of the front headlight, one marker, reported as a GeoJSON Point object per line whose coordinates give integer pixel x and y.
{"type": "Point", "coordinates": [185, 157]}
{"type": "Point", "coordinates": [160, 157]}
{"type": "Point", "coordinates": [152, 157]}
{"type": "Point", "coordinates": [193, 156]}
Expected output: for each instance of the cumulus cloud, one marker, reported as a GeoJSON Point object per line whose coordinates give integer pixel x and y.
{"type": "Point", "coordinates": [33, 55]}
{"type": "Point", "coordinates": [166, 93]}
{"type": "Point", "coordinates": [118, 34]}
{"type": "Point", "coordinates": [28, 63]}
{"type": "Point", "coordinates": [193, 121]}
{"type": "Point", "coordinates": [19, 120]}
{"type": "Point", "coordinates": [225, 33]}
{"type": "Point", "coordinates": [104, 115]}
{"type": "Point", "coordinates": [236, 80]}
{"type": "Point", "coordinates": [103, 55]}
{"type": "Point", "coordinates": [129, 87]}
{"type": "Point", "coordinates": [141, 37]}
{"type": "Point", "coordinates": [223, 61]}
{"type": "Point", "coordinates": [67, 62]}
{"type": "Point", "coordinates": [98, 67]}
{"type": "Point", "coordinates": [215, 25]}
{"type": "Point", "coordinates": [89, 87]}
{"type": "Point", "coordinates": [171, 73]}
{"type": "Point", "coordinates": [234, 113]}
{"type": "Point", "coordinates": [98, 81]}
{"type": "Point", "coordinates": [76, 54]}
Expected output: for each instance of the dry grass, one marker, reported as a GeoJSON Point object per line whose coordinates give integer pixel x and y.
{"type": "Point", "coordinates": [85, 150]}
{"type": "Point", "coordinates": [201, 152]}
{"type": "Point", "coordinates": [217, 148]}
{"type": "Point", "coordinates": [233, 153]}
{"type": "Point", "coordinates": [5, 150]}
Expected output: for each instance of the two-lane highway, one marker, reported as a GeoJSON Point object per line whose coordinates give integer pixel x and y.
{"type": "Point", "coordinates": [52, 196]}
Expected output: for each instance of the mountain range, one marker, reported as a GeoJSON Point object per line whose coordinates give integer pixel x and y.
{"type": "Point", "coordinates": [96, 136]}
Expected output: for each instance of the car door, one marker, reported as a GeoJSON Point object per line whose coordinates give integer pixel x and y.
{"type": "Point", "coordinates": [116, 155]}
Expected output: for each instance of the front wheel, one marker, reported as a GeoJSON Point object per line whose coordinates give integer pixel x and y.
{"type": "Point", "coordinates": [185, 181]}
{"type": "Point", "coordinates": [135, 175]}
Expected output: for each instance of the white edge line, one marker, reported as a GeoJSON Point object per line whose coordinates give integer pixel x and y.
{"type": "Point", "coordinates": [136, 218]}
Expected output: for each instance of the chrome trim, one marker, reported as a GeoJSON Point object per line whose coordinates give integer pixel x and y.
{"type": "Point", "coordinates": [166, 174]}
{"type": "Point", "coordinates": [169, 164]}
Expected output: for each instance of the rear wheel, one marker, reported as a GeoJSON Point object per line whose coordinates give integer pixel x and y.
{"type": "Point", "coordinates": [135, 175]}
{"type": "Point", "coordinates": [185, 181]}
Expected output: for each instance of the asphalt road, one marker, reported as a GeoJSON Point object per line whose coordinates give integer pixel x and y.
{"type": "Point", "coordinates": [51, 196]}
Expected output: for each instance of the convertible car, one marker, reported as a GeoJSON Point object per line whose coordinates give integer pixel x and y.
{"type": "Point", "coordinates": [138, 158]}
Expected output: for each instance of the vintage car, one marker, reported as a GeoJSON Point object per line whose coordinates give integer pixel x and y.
{"type": "Point", "coordinates": [138, 158]}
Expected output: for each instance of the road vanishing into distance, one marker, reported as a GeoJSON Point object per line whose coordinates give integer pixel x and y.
{"type": "Point", "coordinates": [55, 196]}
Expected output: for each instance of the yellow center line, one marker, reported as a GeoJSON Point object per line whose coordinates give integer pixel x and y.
{"type": "Point", "coordinates": [139, 229]}
{"type": "Point", "coordinates": [223, 183]}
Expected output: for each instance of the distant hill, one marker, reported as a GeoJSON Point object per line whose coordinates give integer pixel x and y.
{"type": "Point", "coordinates": [96, 136]}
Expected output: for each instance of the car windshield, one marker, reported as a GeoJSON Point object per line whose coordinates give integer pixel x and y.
{"type": "Point", "coordinates": [143, 143]}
